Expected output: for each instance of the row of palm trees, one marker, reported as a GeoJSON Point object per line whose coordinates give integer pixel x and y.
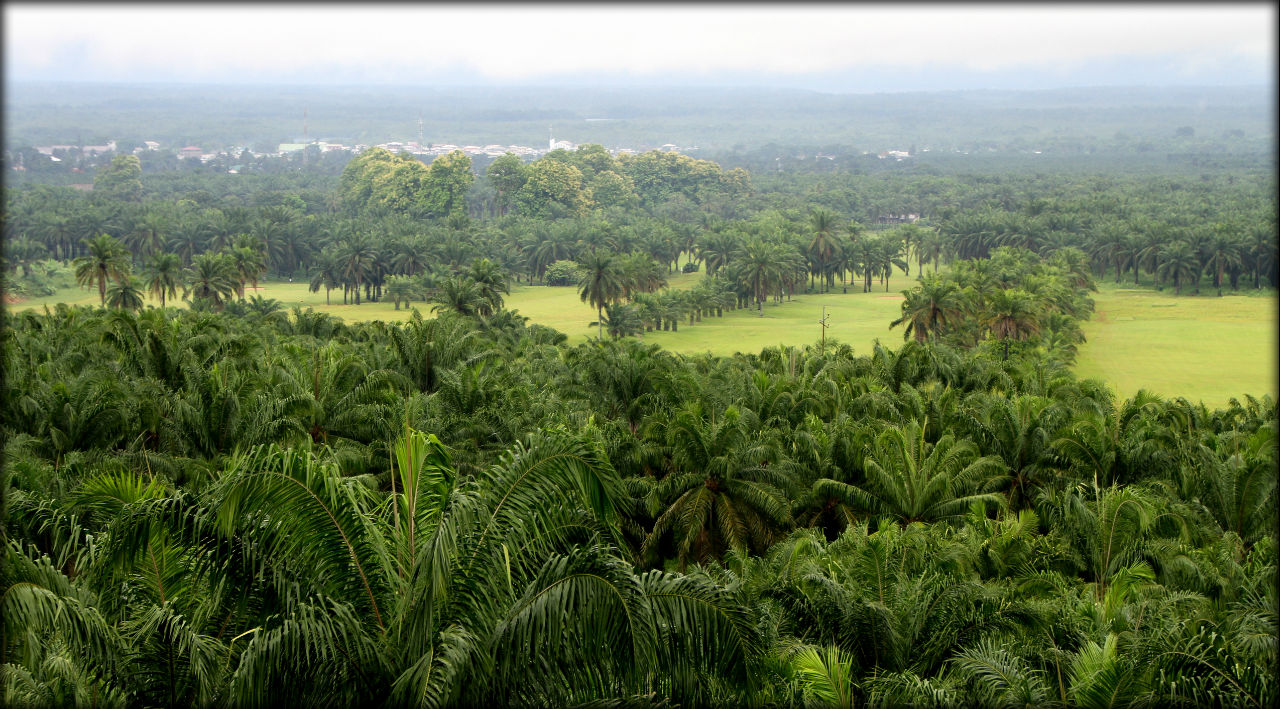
{"type": "Point", "coordinates": [240, 510]}
{"type": "Point", "coordinates": [772, 248]}
{"type": "Point", "coordinates": [1180, 251]}
{"type": "Point", "coordinates": [211, 277]}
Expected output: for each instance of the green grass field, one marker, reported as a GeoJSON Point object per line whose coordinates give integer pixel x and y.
{"type": "Point", "coordinates": [1203, 347]}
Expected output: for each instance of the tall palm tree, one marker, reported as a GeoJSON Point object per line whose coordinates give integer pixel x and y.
{"type": "Point", "coordinates": [22, 252]}
{"type": "Point", "coordinates": [1010, 314]}
{"type": "Point", "coordinates": [757, 266]}
{"type": "Point", "coordinates": [550, 243]}
{"type": "Point", "coordinates": [1224, 252]}
{"type": "Point", "coordinates": [823, 224]}
{"type": "Point", "coordinates": [601, 283]}
{"type": "Point", "coordinates": [212, 277]}
{"type": "Point", "coordinates": [888, 253]}
{"type": "Point", "coordinates": [462, 295]}
{"type": "Point", "coordinates": [1262, 249]}
{"type": "Point", "coordinates": [164, 276]}
{"type": "Point", "coordinates": [107, 259]}
{"type": "Point", "coordinates": [929, 309]}
{"type": "Point", "coordinates": [327, 275]}
{"type": "Point", "coordinates": [185, 240]}
{"type": "Point", "coordinates": [929, 247]}
{"type": "Point", "coordinates": [248, 265]}
{"type": "Point", "coordinates": [1179, 262]}
{"type": "Point", "coordinates": [357, 255]}
{"type": "Point", "coordinates": [215, 229]}
{"type": "Point", "coordinates": [716, 249]}
{"type": "Point", "coordinates": [148, 237]}
{"type": "Point", "coordinates": [57, 232]}
{"type": "Point", "coordinates": [492, 280]}
{"type": "Point", "coordinates": [412, 256]}
{"type": "Point", "coordinates": [126, 294]}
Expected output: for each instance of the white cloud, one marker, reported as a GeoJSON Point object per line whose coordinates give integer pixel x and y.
{"type": "Point", "coordinates": [519, 42]}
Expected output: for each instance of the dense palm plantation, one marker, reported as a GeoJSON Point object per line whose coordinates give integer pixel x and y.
{"type": "Point", "coordinates": [234, 505]}
{"type": "Point", "coordinates": [208, 509]}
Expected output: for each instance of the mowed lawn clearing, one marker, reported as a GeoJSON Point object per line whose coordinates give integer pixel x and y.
{"type": "Point", "coordinates": [855, 318]}
{"type": "Point", "coordinates": [1204, 348]}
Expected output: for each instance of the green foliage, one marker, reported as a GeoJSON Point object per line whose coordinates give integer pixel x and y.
{"type": "Point", "coordinates": [562, 273]}
{"type": "Point", "coordinates": [121, 179]}
{"type": "Point", "coordinates": [377, 179]}
{"type": "Point", "coordinates": [551, 189]}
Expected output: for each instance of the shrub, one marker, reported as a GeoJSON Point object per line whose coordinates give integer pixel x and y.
{"type": "Point", "coordinates": [562, 273]}
{"type": "Point", "coordinates": [689, 267]}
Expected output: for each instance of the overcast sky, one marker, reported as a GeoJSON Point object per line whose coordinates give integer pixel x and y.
{"type": "Point", "coordinates": [830, 47]}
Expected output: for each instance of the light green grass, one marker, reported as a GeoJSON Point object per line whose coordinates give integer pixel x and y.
{"type": "Point", "coordinates": [1204, 348]}
{"type": "Point", "coordinates": [857, 319]}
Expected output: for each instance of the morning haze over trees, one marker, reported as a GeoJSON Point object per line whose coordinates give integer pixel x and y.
{"type": "Point", "coordinates": [221, 493]}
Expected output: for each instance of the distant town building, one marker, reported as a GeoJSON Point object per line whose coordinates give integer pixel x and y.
{"type": "Point", "coordinates": [897, 218]}
{"type": "Point", "coordinates": [190, 151]}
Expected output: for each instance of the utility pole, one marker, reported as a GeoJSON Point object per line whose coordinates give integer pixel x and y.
{"type": "Point", "coordinates": [823, 323]}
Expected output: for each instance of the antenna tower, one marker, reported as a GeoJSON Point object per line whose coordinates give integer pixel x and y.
{"type": "Point", "coordinates": [304, 124]}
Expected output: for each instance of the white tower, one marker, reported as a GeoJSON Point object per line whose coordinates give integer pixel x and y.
{"type": "Point", "coordinates": [551, 143]}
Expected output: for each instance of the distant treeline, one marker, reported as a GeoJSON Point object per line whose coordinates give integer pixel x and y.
{"type": "Point", "coordinates": [1098, 120]}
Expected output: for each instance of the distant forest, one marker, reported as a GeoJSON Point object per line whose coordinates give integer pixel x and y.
{"type": "Point", "coordinates": [723, 124]}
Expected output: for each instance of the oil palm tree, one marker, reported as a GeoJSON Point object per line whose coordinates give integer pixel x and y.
{"type": "Point", "coordinates": [327, 274]}
{"type": "Point", "coordinates": [725, 490]}
{"type": "Point", "coordinates": [23, 253]}
{"type": "Point", "coordinates": [1224, 252]}
{"type": "Point", "coordinates": [149, 235]}
{"type": "Point", "coordinates": [1010, 314]}
{"type": "Point", "coordinates": [357, 255]}
{"type": "Point", "coordinates": [601, 283]}
{"type": "Point", "coordinates": [823, 224]}
{"type": "Point", "coordinates": [621, 320]}
{"type": "Point", "coordinates": [929, 309]}
{"type": "Point", "coordinates": [126, 294]}
{"type": "Point", "coordinates": [1179, 262]}
{"type": "Point", "coordinates": [245, 262]}
{"type": "Point", "coordinates": [106, 260]}
{"type": "Point", "coordinates": [442, 592]}
{"type": "Point", "coordinates": [461, 295]}
{"type": "Point", "coordinates": [716, 249]}
{"type": "Point", "coordinates": [1020, 431]}
{"type": "Point", "coordinates": [756, 265]}
{"type": "Point", "coordinates": [912, 480]}
{"type": "Point", "coordinates": [164, 276]}
{"type": "Point", "coordinates": [212, 277]}
{"type": "Point", "coordinates": [492, 281]}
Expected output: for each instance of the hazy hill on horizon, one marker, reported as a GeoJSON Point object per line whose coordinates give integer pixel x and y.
{"type": "Point", "coordinates": [1226, 119]}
